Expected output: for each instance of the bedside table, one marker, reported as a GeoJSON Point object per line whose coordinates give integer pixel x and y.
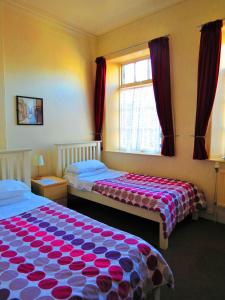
{"type": "Point", "coordinates": [56, 191]}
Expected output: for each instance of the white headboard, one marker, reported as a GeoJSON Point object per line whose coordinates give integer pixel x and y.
{"type": "Point", "coordinates": [74, 152]}
{"type": "Point", "coordinates": [15, 164]}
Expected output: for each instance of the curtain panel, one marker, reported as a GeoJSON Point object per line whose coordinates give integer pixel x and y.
{"type": "Point", "coordinates": [160, 61]}
{"type": "Point", "coordinates": [99, 99]}
{"type": "Point", "coordinates": [208, 71]}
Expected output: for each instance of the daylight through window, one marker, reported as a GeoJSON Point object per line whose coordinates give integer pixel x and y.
{"type": "Point", "coordinates": [140, 130]}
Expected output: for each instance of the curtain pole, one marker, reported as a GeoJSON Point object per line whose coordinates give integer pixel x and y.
{"type": "Point", "coordinates": [200, 26]}
{"type": "Point", "coordinates": [130, 47]}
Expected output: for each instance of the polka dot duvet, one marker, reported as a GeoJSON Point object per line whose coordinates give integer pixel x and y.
{"type": "Point", "coordinates": [52, 252]}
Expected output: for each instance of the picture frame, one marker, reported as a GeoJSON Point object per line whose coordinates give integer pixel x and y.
{"type": "Point", "coordinates": [29, 110]}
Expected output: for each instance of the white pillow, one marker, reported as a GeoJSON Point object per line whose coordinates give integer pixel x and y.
{"type": "Point", "coordinates": [86, 166]}
{"type": "Point", "coordinates": [11, 200]}
{"type": "Point", "coordinates": [12, 188]}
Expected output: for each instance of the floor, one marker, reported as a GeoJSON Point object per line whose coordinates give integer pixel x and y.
{"type": "Point", "coordinates": [196, 252]}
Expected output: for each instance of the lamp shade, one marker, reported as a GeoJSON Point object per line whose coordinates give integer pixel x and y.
{"type": "Point", "coordinates": [39, 160]}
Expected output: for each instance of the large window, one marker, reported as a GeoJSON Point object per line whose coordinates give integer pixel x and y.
{"type": "Point", "coordinates": [217, 147]}
{"type": "Point", "coordinates": [140, 130]}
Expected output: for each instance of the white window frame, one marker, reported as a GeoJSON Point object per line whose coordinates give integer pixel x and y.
{"type": "Point", "coordinates": [136, 84]}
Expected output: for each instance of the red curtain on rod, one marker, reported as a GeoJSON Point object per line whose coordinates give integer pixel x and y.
{"type": "Point", "coordinates": [160, 61]}
{"type": "Point", "coordinates": [208, 71]}
{"type": "Point", "coordinates": [99, 99]}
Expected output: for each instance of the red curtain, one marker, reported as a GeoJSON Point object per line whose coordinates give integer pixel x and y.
{"type": "Point", "coordinates": [99, 99]}
{"type": "Point", "coordinates": [208, 70]}
{"type": "Point", "coordinates": [160, 61]}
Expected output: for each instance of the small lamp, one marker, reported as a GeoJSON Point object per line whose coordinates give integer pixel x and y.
{"type": "Point", "coordinates": [39, 162]}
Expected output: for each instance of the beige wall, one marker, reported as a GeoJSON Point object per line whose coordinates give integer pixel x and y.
{"type": "Point", "coordinates": [40, 58]}
{"type": "Point", "coordinates": [181, 22]}
{"type": "Point", "coordinates": [45, 60]}
{"type": "Point", "coordinates": [111, 117]}
{"type": "Point", "coordinates": [2, 103]}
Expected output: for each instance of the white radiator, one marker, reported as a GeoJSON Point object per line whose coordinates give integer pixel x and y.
{"type": "Point", "coordinates": [221, 188]}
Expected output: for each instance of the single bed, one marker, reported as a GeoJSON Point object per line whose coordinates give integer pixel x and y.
{"type": "Point", "coordinates": [48, 251]}
{"type": "Point", "coordinates": [163, 200]}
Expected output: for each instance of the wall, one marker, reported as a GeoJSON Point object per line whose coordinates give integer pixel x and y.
{"type": "Point", "coordinates": [46, 60]}
{"type": "Point", "coordinates": [2, 103]}
{"type": "Point", "coordinates": [181, 22]}
{"type": "Point", "coordinates": [111, 118]}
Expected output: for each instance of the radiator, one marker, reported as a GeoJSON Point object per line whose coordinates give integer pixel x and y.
{"type": "Point", "coordinates": [221, 188]}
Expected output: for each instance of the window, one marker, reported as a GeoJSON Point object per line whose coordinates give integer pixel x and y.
{"type": "Point", "coordinates": [140, 130]}
{"type": "Point", "coordinates": [217, 145]}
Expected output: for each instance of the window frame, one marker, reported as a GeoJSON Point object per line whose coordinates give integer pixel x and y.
{"type": "Point", "coordinates": [135, 83]}
{"type": "Point", "coordinates": [125, 86]}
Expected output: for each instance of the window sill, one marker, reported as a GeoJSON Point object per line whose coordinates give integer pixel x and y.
{"type": "Point", "coordinates": [222, 160]}
{"type": "Point", "coordinates": [134, 153]}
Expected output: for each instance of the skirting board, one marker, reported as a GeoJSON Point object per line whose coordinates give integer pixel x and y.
{"type": "Point", "coordinates": [219, 217]}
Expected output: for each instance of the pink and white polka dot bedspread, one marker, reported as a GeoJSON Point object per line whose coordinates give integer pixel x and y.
{"type": "Point", "coordinates": [173, 199]}
{"type": "Point", "coordinates": [52, 252]}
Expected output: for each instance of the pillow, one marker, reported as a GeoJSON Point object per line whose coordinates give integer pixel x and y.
{"type": "Point", "coordinates": [86, 166]}
{"type": "Point", "coordinates": [12, 188]}
{"type": "Point", "coordinates": [10, 200]}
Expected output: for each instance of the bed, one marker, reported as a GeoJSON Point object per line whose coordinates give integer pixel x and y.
{"type": "Point", "coordinates": [163, 200]}
{"type": "Point", "coordinates": [48, 251]}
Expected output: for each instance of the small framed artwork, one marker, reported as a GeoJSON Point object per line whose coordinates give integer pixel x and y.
{"type": "Point", "coordinates": [29, 110]}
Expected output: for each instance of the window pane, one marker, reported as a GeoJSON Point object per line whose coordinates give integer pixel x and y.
{"type": "Point", "coordinates": [141, 70]}
{"type": "Point", "coordinates": [128, 73]}
{"type": "Point", "coordinates": [139, 125]}
{"type": "Point", "coordinates": [149, 69]}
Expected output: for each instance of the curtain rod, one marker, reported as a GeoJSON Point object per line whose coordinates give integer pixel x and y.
{"type": "Point", "coordinates": [130, 47]}
{"type": "Point", "coordinates": [199, 26]}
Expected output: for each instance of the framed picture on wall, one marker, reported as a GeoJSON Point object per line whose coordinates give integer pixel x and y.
{"type": "Point", "coordinates": [29, 110]}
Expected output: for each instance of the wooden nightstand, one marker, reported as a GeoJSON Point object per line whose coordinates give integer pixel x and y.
{"type": "Point", "coordinates": [56, 190]}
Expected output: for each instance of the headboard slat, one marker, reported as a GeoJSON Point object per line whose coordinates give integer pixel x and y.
{"type": "Point", "coordinates": [94, 151]}
{"type": "Point", "coordinates": [19, 169]}
{"type": "Point", "coordinates": [3, 168]}
{"type": "Point", "coordinates": [11, 169]}
{"type": "Point", "coordinates": [72, 154]}
{"type": "Point", "coordinates": [75, 152]}
{"type": "Point", "coordinates": [15, 164]}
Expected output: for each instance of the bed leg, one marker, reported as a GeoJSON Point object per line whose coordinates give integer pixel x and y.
{"type": "Point", "coordinates": [163, 242]}
{"type": "Point", "coordinates": [156, 294]}
{"type": "Point", "coordinates": [195, 216]}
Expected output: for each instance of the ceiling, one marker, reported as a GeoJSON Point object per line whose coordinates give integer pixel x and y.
{"type": "Point", "coordinates": [97, 16]}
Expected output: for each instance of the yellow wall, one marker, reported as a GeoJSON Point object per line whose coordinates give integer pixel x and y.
{"type": "Point", "coordinates": [39, 58]}
{"type": "Point", "coordinates": [45, 60]}
{"type": "Point", "coordinates": [181, 22]}
{"type": "Point", "coordinates": [2, 103]}
{"type": "Point", "coordinates": [111, 117]}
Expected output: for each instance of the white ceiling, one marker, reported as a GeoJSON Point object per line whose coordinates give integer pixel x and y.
{"type": "Point", "coordinates": [97, 16]}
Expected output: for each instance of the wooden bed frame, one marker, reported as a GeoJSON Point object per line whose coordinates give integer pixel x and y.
{"type": "Point", "coordinates": [79, 151]}
{"type": "Point", "coordinates": [15, 164]}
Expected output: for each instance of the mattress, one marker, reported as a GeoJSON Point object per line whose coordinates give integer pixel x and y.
{"type": "Point", "coordinates": [51, 252]}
